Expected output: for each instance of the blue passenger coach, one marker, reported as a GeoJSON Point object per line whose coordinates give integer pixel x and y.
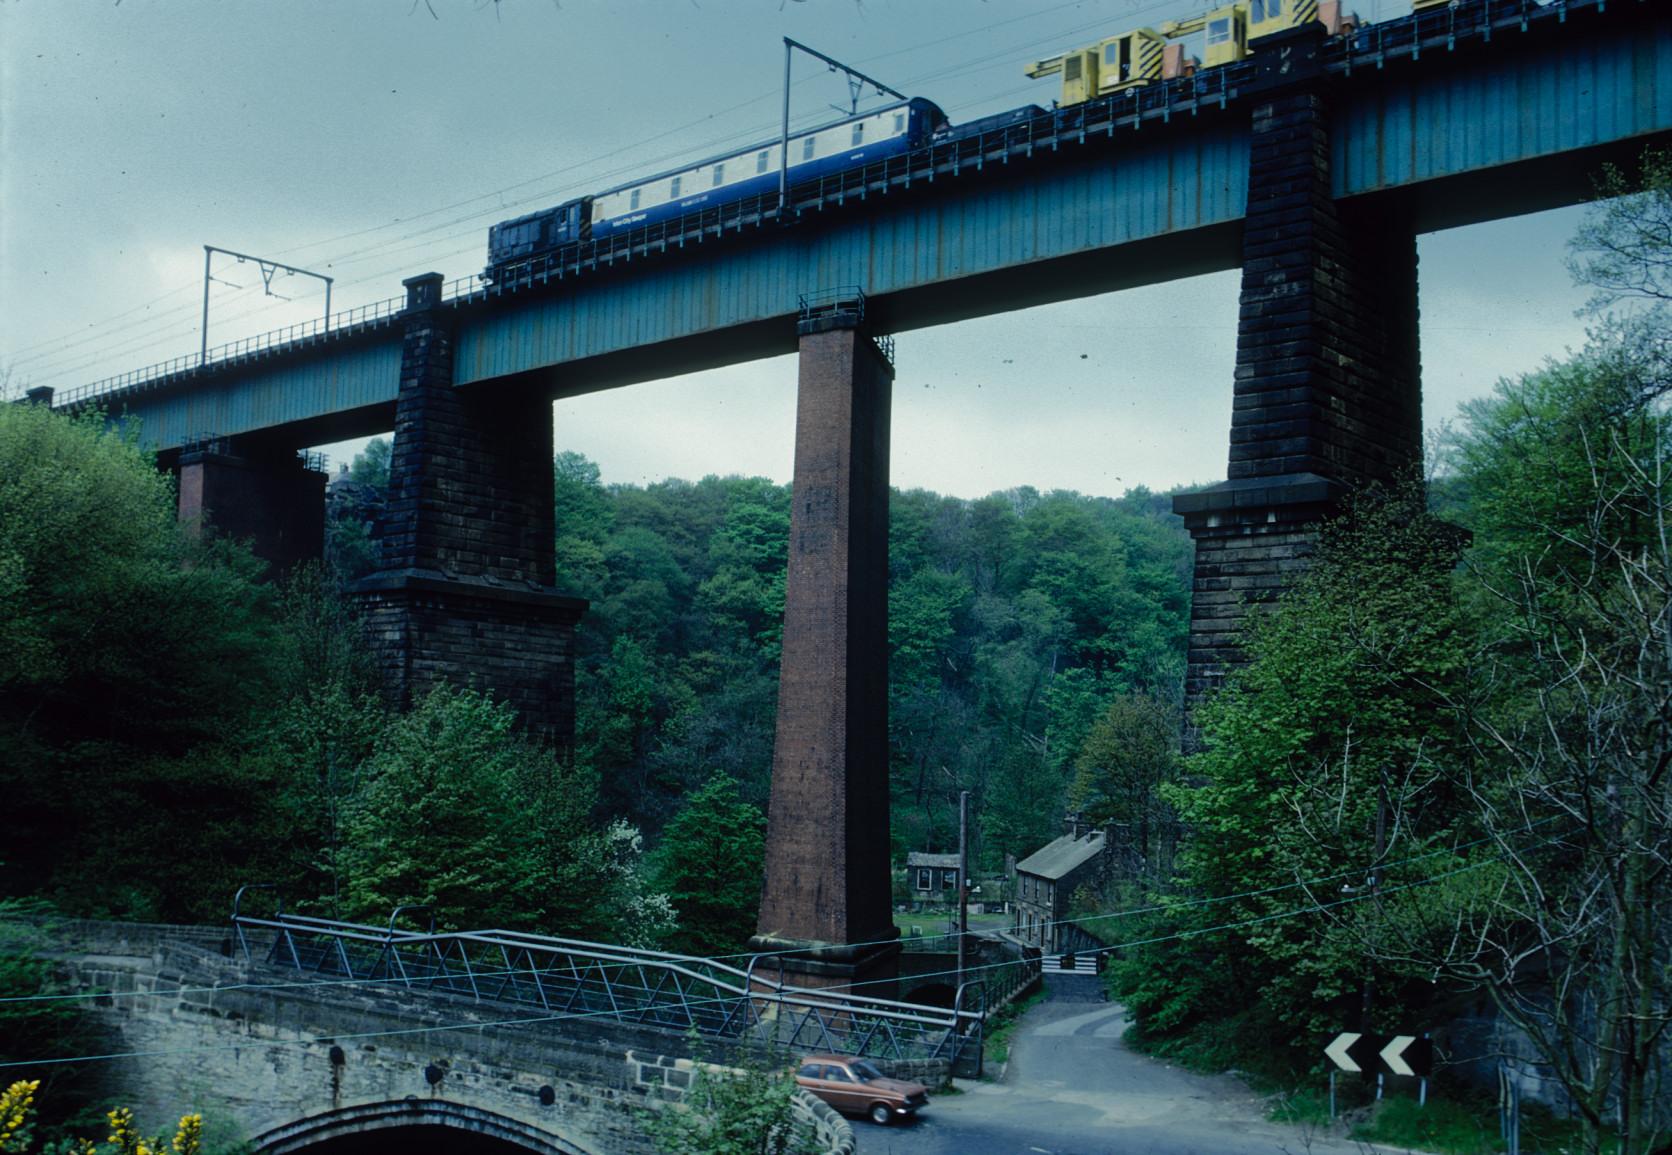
{"type": "Point", "coordinates": [719, 180]}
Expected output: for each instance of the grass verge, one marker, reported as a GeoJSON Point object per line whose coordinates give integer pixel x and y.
{"type": "Point", "coordinates": [997, 1049]}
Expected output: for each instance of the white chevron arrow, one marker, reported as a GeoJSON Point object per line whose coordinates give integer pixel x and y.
{"type": "Point", "coordinates": [1393, 1052]}
{"type": "Point", "coordinates": [1337, 1051]}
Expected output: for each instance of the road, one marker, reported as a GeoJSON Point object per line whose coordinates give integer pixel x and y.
{"type": "Point", "coordinates": [1073, 1088]}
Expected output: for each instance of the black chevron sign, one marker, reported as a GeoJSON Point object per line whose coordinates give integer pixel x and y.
{"type": "Point", "coordinates": [1408, 1055]}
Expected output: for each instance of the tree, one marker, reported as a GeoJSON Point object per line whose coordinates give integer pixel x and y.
{"type": "Point", "coordinates": [734, 1111]}
{"type": "Point", "coordinates": [1570, 476]}
{"type": "Point", "coordinates": [1332, 715]}
{"type": "Point", "coordinates": [1129, 755]}
{"type": "Point", "coordinates": [132, 658]}
{"type": "Point", "coordinates": [710, 863]}
{"type": "Point", "coordinates": [458, 813]}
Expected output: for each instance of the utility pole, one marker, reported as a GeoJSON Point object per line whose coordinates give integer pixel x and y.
{"type": "Point", "coordinates": [963, 877]}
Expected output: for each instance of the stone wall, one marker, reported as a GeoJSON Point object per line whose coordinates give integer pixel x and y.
{"type": "Point", "coordinates": [286, 1061]}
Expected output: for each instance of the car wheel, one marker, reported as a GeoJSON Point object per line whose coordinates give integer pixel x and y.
{"type": "Point", "coordinates": [880, 1114]}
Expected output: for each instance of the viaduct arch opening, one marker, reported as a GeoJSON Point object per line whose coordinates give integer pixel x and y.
{"type": "Point", "coordinates": [416, 1126]}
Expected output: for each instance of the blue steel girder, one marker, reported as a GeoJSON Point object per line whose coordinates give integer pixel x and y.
{"type": "Point", "coordinates": [922, 254]}
{"type": "Point", "coordinates": [1464, 131]}
{"type": "Point", "coordinates": [1496, 127]}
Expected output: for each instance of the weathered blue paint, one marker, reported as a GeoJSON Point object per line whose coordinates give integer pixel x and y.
{"type": "Point", "coordinates": [1502, 106]}
{"type": "Point", "coordinates": [332, 383]}
{"type": "Point", "coordinates": [1149, 204]}
{"type": "Point", "coordinates": [1091, 199]}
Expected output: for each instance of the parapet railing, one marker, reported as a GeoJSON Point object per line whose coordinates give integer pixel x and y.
{"type": "Point", "coordinates": [1373, 45]}
{"type": "Point", "coordinates": [571, 978]}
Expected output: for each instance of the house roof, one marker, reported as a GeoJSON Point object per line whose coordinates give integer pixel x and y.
{"type": "Point", "coordinates": [941, 861]}
{"type": "Point", "coordinates": [1056, 859]}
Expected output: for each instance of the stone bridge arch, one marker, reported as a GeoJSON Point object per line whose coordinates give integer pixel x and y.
{"type": "Point", "coordinates": [381, 1124]}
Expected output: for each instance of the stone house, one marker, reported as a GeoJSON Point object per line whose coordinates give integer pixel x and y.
{"type": "Point", "coordinates": [1046, 881]}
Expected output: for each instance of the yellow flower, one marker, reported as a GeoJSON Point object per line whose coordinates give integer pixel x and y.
{"type": "Point", "coordinates": [15, 1102]}
{"type": "Point", "coordinates": [188, 1139]}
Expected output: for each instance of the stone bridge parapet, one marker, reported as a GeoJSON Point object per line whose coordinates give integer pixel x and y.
{"type": "Point", "coordinates": [290, 1062]}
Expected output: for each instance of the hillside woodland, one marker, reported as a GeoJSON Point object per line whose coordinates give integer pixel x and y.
{"type": "Point", "coordinates": [1438, 789]}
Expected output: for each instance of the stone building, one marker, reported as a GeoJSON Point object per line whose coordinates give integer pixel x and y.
{"type": "Point", "coordinates": [932, 878]}
{"type": "Point", "coordinates": [1046, 881]}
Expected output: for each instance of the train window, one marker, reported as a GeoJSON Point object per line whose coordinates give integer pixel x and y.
{"type": "Point", "coordinates": [673, 187]}
{"type": "Point", "coordinates": [899, 122]}
{"type": "Point", "coordinates": [719, 173]}
{"type": "Point", "coordinates": [1071, 67]}
{"type": "Point", "coordinates": [1219, 31]}
{"type": "Point", "coordinates": [1266, 10]}
{"type": "Point", "coordinates": [632, 200]}
{"type": "Point", "coordinates": [760, 160]}
{"type": "Point", "coordinates": [858, 134]}
{"type": "Point", "coordinates": [807, 146]}
{"type": "Point", "coordinates": [1109, 51]}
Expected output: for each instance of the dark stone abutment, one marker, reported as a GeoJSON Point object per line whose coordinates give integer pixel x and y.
{"type": "Point", "coordinates": [466, 590]}
{"type": "Point", "coordinates": [1327, 394]}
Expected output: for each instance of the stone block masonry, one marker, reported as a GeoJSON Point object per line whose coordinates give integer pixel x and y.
{"type": "Point", "coordinates": [465, 591]}
{"type": "Point", "coordinates": [826, 892]}
{"type": "Point", "coordinates": [287, 1064]}
{"type": "Point", "coordinates": [1327, 396]}
{"type": "Point", "coordinates": [265, 496]}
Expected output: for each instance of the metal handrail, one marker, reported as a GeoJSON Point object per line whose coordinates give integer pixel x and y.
{"type": "Point", "coordinates": [628, 984]}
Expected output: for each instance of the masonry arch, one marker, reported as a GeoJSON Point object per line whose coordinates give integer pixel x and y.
{"type": "Point", "coordinates": [374, 1126]}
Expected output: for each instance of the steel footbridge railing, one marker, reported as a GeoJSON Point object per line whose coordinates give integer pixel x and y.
{"type": "Point", "coordinates": [569, 978]}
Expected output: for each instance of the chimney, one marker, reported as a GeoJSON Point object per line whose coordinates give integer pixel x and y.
{"type": "Point", "coordinates": [1071, 824]}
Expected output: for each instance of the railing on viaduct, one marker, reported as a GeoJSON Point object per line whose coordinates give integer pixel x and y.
{"type": "Point", "coordinates": [571, 979]}
{"type": "Point", "coordinates": [1372, 47]}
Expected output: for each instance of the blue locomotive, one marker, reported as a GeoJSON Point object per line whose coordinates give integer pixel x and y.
{"type": "Point", "coordinates": [719, 180]}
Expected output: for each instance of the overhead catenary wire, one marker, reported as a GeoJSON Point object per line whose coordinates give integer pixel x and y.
{"type": "Point", "coordinates": [1307, 884]}
{"type": "Point", "coordinates": [515, 1021]}
{"type": "Point", "coordinates": [57, 344]}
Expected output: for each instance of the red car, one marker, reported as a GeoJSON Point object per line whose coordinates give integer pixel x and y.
{"type": "Point", "coordinates": [855, 1087]}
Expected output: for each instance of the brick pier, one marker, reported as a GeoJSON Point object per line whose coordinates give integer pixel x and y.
{"type": "Point", "coordinates": [826, 895]}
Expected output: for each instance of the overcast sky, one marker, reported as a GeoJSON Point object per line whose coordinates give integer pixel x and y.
{"type": "Point", "coordinates": [371, 141]}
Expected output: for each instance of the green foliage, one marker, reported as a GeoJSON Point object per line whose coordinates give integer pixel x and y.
{"type": "Point", "coordinates": [371, 465]}
{"type": "Point", "coordinates": [1335, 711]}
{"type": "Point", "coordinates": [459, 814]}
{"type": "Point", "coordinates": [34, 1030]}
{"type": "Point", "coordinates": [710, 864]}
{"type": "Point", "coordinates": [1450, 1126]}
{"type": "Point", "coordinates": [1013, 621]}
{"type": "Point", "coordinates": [733, 1111]}
{"type": "Point", "coordinates": [131, 657]}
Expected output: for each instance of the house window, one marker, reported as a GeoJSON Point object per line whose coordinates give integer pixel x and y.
{"type": "Point", "coordinates": [673, 187]}
{"type": "Point", "coordinates": [632, 200]}
{"type": "Point", "coordinates": [925, 878]}
{"type": "Point", "coordinates": [761, 159]}
{"type": "Point", "coordinates": [949, 879]}
{"type": "Point", "coordinates": [807, 146]}
{"type": "Point", "coordinates": [719, 174]}
{"type": "Point", "coordinates": [858, 133]}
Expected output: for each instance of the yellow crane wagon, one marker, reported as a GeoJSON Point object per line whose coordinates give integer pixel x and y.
{"type": "Point", "coordinates": [1144, 55]}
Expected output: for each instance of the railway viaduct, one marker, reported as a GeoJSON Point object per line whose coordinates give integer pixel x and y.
{"type": "Point", "coordinates": [1311, 168]}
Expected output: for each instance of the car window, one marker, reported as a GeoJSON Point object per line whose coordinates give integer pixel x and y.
{"type": "Point", "coordinates": [866, 1072]}
{"type": "Point", "coordinates": [837, 1075]}
{"type": "Point", "coordinates": [811, 1071]}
